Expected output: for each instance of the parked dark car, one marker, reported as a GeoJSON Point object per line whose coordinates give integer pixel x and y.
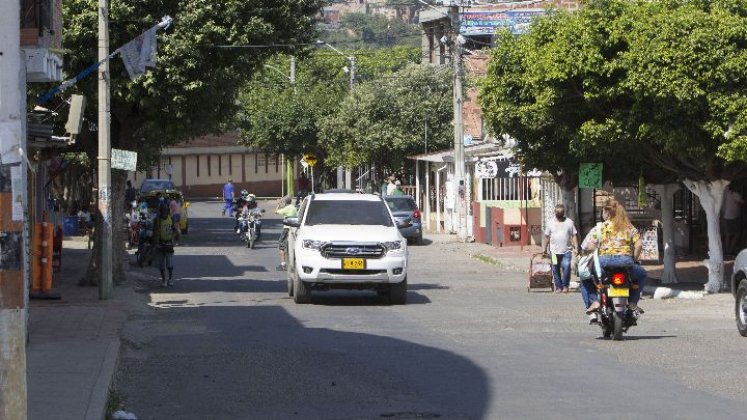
{"type": "Point", "coordinates": [152, 184]}
{"type": "Point", "coordinates": [407, 216]}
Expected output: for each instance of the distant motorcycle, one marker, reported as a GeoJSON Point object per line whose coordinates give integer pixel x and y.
{"type": "Point", "coordinates": [144, 253]}
{"type": "Point", "coordinates": [614, 316]}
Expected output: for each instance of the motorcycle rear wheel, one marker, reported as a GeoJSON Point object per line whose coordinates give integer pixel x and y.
{"type": "Point", "coordinates": [617, 321]}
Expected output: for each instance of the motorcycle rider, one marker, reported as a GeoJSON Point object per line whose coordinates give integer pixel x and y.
{"type": "Point", "coordinates": [620, 245]}
{"type": "Point", "coordinates": [251, 208]}
{"type": "Point", "coordinates": [239, 204]}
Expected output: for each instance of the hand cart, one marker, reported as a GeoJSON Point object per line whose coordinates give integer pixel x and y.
{"type": "Point", "coordinates": [540, 272]}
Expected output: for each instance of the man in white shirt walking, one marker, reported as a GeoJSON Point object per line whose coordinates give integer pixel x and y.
{"type": "Point", "coordinates": [561, 241]}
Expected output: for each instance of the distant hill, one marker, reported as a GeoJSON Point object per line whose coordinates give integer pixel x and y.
{"type": "Point", "coordinates": [371, 23]}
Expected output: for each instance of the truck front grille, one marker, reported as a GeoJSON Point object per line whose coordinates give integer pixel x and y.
{"type": "Point", "coordinates": [353, 251]}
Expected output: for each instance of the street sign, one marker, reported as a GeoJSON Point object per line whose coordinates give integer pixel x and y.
{"type": "Point", "coordinates": [590, 175]}
{"type": "Point", "coordinates": [124, 159]}
{"type": "Point", "coordinates": [310, 158]}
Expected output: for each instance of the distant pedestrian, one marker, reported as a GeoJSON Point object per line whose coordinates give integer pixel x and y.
{"type": "Point", "coordinates": [161, 202]}
{"type": "Point", "coordinates": [228, 198]}
{"type": "Point", "coordinates": [85, 219]}
{"type": "Point", "coordinates": [397, 188]}
{"type": "Point", "coordinates": [130, 196]}
{"type": "Point", "coordinates": [175, 210]}
{"type": "Point", "coordinates": [390, 186]}
{"type": "Point", "coordinates": [561, 241]}
{"type": "Point", "coordinates": [163, 243]}
{"type": "Point", "coordinates": [731, 213]}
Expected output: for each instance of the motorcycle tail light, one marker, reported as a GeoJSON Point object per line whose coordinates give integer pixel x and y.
{"type": "Point", "coordinates": [416, 214]}
{"type": "Point", "coordinates": [618, 279]}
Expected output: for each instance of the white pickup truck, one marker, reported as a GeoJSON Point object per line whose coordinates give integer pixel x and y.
{"type": "Point", "coordinates": [347, 241]}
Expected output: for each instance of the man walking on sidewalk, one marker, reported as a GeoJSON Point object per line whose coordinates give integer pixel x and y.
{"type": "Point", "coordinates": [561, 240]}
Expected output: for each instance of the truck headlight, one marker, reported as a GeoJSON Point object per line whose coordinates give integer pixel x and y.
{"type": "Point", "coordinates": [392, 245]}
{"type": "Point", "coordinates": [312, 244]}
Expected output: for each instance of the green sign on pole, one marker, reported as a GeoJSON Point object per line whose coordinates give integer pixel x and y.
{"type": "Point", "coordinates": [590, 175]}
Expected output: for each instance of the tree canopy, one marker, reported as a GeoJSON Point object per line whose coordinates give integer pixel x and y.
{"type": "Point", "coordinates": [203, 60]}
{"type": "Point", "coordinates": [280, 117]}
{"type": "Point", "coordinates": [194, 88]}
{"type": "Point", "coordinates": [658, 86]}
{"type": "Point", "coordinates": [384, 120]}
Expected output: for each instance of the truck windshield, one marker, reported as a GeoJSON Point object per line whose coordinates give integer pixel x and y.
{"type": "Point", "coordinates": [348, 212]}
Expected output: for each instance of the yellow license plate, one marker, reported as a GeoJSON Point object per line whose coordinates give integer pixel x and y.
{"type": "Point", "coordinates": [618, 292]}
{"type": "Point", "coordinates": [353, 264]}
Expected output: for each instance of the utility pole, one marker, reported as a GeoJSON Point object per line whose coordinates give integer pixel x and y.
{"type": "Point", "coordinates": [104, 158]}
{"type": "Point", "coordinates": [348, 172]}
{"type": "Point", "coordinates": [13, 283]}
{"type": "Point", "coordinates": [459, 187]}
{"type": "Point", "coordinates": [290, 162]}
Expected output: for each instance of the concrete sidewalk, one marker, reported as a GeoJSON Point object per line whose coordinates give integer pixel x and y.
{"type": "Point", "coordinates": [691, 272]}
{"type": "Point", "coordinates": [73, 344]}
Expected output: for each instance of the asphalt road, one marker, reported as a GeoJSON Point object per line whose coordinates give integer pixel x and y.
{"type": "Point", "coordinates": [228, 343]}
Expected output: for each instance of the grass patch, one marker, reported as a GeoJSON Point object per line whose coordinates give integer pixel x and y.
{"type": "Point", "coordinates": [114, 403]}
{"type": "Point", "coordinates": [486, 259]}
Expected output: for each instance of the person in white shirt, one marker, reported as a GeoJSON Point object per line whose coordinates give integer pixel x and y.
{"type": "Point", "coordinates": [561, 241]}
{"type": "Point", "coordinates": [731, 213]}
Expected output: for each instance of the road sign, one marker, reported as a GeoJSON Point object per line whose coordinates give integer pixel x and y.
{"type": "Point", "coordinates": [310, 158]}
{"type": "Point", "coordinates": [590, 175]}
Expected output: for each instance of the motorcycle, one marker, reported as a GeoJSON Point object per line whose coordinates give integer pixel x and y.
{"type": "Point", "coordinates": [614, 316]}
{"type": "Point", "coordinates": [248, 227]}
{"type": "Point", "coordinates": [144, 253]}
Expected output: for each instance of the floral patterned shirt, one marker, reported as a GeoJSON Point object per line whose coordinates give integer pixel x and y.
{"type": "Point", "coordinates": [620, 243]}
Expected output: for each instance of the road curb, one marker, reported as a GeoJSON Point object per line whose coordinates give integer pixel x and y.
{"type": "Point", "coordinates": [657, 292]}
{"type": "Point", "coordinates": [100, 393]}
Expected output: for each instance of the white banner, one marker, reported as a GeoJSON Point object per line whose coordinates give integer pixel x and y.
{"type": "Point", "coordinates": [124, 159]}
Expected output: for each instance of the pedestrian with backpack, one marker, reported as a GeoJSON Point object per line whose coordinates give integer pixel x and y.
{"type": "Point", "coordinates": [163, 243]}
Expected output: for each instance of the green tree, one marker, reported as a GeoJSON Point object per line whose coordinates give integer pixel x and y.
{"type": "Point", "coordinates": [193, 90]}
{"type": "Point", "coordinates": [630, 83]}
{"type": "Point", "coordinates": [379, 122]}
{"type": "Point", "coordinates": [283, 118]}
{"type": "Point", "coordinates": [686, 79]}
{"type": "Point", "coordinates": [543, 88]}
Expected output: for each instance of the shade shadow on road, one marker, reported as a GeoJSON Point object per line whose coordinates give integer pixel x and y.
{"type": "Point", "coordinates": [261, 362]}
{"type": "Point", "coordinates": [221, 231]}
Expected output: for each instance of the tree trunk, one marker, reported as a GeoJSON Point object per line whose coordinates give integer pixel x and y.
{"type": "Point", "coordinates": [710, 194]}
{"type": "Point", "coordinates": [667, 191]}
{"type": "Point", "coordinates": [568, 181]}
{"type": "Point", "coordinates": [569, 202]}
{"type": "Point", "coordinates": [123, 133]}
